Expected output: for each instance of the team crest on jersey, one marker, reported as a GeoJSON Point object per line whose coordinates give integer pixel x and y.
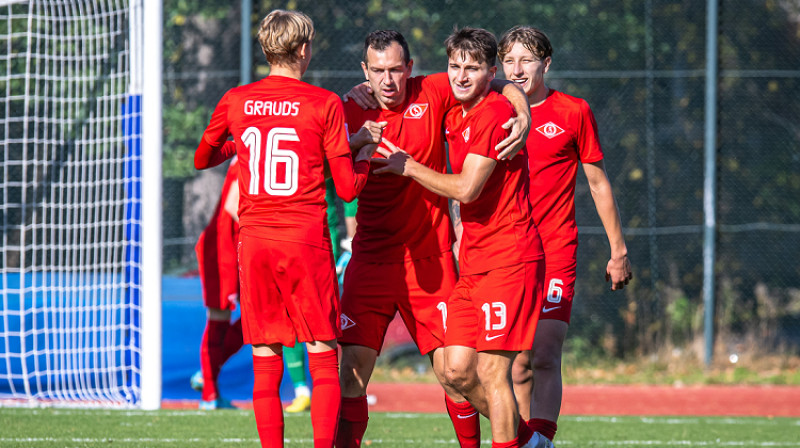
{"type": "Point", "coordinates": [415, 110]}
{"type": "Point", "coordinates": [345, 322]}
{"type": "Point", "coordinates": [550, 129]}
{"type": "Point", "coordinates": [465, 134]}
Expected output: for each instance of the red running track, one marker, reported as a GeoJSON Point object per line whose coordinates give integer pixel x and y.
{"type": "Point", "coordinates": [774, 401]}
{"type": "Point", "coordinates": [767, 401]}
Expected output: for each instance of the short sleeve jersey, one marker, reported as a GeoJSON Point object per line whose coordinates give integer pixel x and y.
{"type": "Point", "coordinates": [498, 228]}
{"type": "Point", "coordinates": [284, 130]}
{"type": "Point", "coordinates": [563, 133]}
{"type": "Point", "coordinates": [397, 218]}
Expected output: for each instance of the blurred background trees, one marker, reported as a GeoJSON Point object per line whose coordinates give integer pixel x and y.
{"type": "Point", "coordinates": [641, 66]}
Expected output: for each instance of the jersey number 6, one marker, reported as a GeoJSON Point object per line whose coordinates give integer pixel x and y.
{"type": "Point", "coordinates": [274, 156]}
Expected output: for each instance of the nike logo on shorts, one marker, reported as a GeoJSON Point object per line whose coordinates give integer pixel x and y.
{"type": "Point", "coordinates": [546, 309]}
{"type": "Point", "coordinates": [493, 337]}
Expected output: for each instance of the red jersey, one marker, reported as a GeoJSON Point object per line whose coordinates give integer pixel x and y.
{"type": "Point", "coordinates": [397, 218]}
{"type": "Point", "coordinates": [498, 227]}
{"type": "Point", "coordinates": [216, 249]}
{"type": "Point", "coordinates": [563, 133]}
{"type": "Point", "coordinates": [284, 130]}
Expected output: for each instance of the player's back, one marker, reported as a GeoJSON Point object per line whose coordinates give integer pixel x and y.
{"type": "Point", "coordinates": [284, 130]}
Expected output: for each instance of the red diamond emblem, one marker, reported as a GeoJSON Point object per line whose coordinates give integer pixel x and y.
{"type": "Point", "coordinates": [550, 129]}
{"type": "Point", "coordinates": [415, 110]}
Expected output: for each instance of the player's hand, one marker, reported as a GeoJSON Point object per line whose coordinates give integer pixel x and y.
{"type": "Point", "coordinates": [395, 160]}
{"type": "Point", "coordinates": [513, 144]}
{"type": "Point", "coordinates": [618, 272]}
{"type": "Point", "coordinates": [362, 95]}
{"type": "Point", "coordinates": [369, 133]}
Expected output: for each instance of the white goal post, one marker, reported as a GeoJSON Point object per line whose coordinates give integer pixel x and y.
{"type": "Point", "coordinates": [80, 203]}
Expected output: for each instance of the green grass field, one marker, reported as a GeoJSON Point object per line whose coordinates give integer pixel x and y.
{"type": "Point", "coordinates": [22, 427]}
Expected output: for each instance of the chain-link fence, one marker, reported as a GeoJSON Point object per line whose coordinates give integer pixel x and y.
{"type": "Point", "coordinates": [641, 66]}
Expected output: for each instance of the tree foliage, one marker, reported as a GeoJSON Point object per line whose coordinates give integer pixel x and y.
{"type": "Point", "coordinates": [641, 66]}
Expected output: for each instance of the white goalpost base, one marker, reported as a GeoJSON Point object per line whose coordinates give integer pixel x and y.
{"type": "Point", "coordinates": [80, 137]}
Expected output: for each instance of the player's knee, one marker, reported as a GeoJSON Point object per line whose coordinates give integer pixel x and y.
{"type": "Point", "coordinates": [547, 358]}
{"type": "Point", "coordinates": [459, 378]}
{"type": "Point", "coordinates": [521, 372]}
{"type": "Point", "coordinates": [354, 373]}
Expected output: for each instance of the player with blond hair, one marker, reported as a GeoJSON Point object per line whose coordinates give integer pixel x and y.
{"type": "Point", "coordinates": [284, 132]}
{"type": "Point", "coordinates": [563, 135]}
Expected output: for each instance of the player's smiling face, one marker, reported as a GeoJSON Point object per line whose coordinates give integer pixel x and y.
{"type": "Point", "coordinates": [387, 74]}
{"type": "Point", "coordinates": [524, 68]}
{"type": "Point", "coordinates": [469, 79]}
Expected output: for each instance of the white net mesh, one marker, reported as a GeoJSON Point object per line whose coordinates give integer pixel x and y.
{"type": "Point", "coordinates": [70, 211]}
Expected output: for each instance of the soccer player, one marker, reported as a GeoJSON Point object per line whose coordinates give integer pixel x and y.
{"type": "Point", "coordinates": [564, 135]}
{"type": "Point", "coordinates": [284, 132]}
{"type": "Point", "coordinates": [219, 276]}
{"type": "Point", "coordinates": [402, 258]}
{"type": "Point", "coordinates": [492, 311]}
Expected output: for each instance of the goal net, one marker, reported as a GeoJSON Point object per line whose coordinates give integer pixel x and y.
{"type": "Point", "coordinates": [71, 282]}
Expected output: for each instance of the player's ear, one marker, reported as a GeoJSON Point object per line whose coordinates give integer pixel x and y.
{"type": "Point", "coordinates": [364, 67]}
{"type": "Point", "coordinates": [493, 71]}
{"type": "Point", "coordinates": [547, 62]}
{"type": "Point", "coordinates": [410, 65]}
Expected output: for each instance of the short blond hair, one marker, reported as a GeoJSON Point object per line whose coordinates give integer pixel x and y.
{"type": "Point", "coordinates": [533, 39]}
{"type": "Point", "coordinates": [282, 33]}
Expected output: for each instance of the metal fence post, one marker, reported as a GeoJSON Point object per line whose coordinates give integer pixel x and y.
{"type": "Point", "coordinates": [710, 184]}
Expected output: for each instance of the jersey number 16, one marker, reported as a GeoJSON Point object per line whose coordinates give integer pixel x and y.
{"type": "Point", "coordinates": [274, 157]}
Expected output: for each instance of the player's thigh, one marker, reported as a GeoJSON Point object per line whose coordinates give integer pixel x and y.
{"type": "Point", "coordinates": [369, 301]}
{"type": "Point", "coordinates": [430, 282]}
{"type": "Point", "coordinates": [461, 325]}
{"type": "Point", "coordinates": [559, 283]}
{"type": "Point", "coordinates": [289, 292]}
{"type": "Point", "coordinates": [262, 305]}
{"type": "Point", "coordinates": [307, 280]}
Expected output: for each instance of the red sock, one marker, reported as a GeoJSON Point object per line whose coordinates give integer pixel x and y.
{"type": "Point", "coordinates": [326, 400]}
{"type": "Point", "coordinates": [524, 432]}
{"type": "Point", "coordinates": [512, 444]}
{"type": "Point", "coordinates": [466, 422]}
{"type": "Point", "coordinates": [352, 422]}
{"type": "Point", "coordinates": [268, 372]}
{"type": "Point", "coordinates": [544, 427]}
{"type": "Point", "coordinates": [233, 340]}
{"type": "Point", "coordinates": [211, 356]}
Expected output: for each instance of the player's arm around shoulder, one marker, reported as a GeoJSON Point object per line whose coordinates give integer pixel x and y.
{"type": "Point", "coordinates": [618, 269]}
{"type": "Point", "coordinates": [519, 124]}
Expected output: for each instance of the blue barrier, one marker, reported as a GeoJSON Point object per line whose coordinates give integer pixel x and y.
{"type": "Point", "coordinates": [184, 320]}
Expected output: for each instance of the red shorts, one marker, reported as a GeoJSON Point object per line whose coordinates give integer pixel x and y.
{"type": "Point", "coordinates": [559, 281]}
{"type": "Point", "coordinates": [219, 274]}
{"type": "Point", "coordinates": [289, 292]}
{"type": "Point", "coordinates": [497, 310]}
{"type": "Point", "coordinates": [418, 289]}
